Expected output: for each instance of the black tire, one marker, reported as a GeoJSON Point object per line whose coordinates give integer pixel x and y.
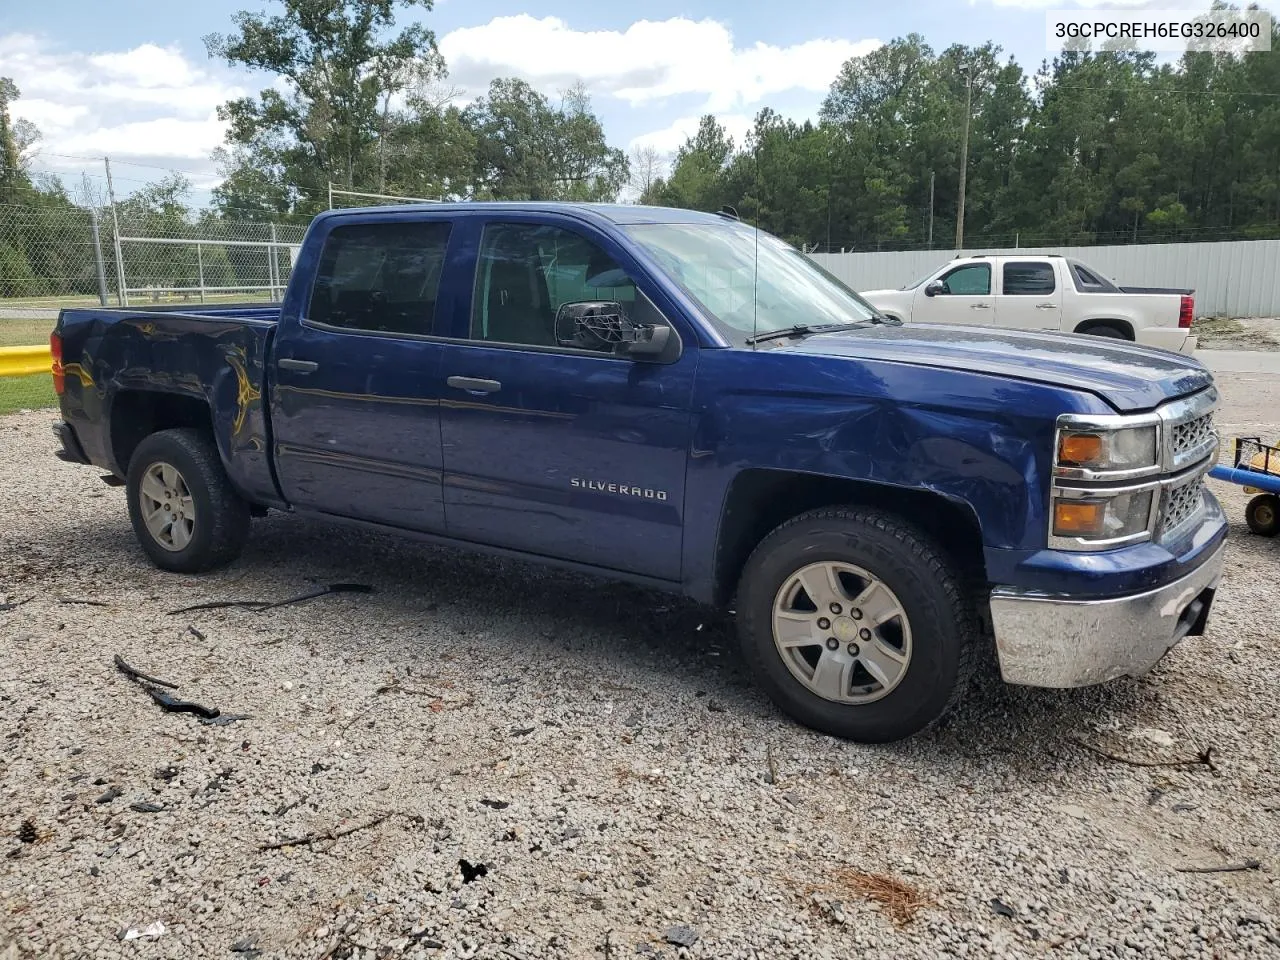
{"type": "Point", "coordinates": [221, 522]}
{"type": "Point", "coordinates": [1263, 515]}
{"type": "Point", "coordinates": [1109, 333]}
{"type": "Point", "coordinates": [944, 625]}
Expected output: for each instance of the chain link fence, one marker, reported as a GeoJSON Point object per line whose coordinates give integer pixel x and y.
{"type": "Point", "coordinates": [56, 256]}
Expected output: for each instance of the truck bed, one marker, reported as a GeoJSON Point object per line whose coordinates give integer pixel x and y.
{"type": "Point", "coordinates": [1172, 291]}
{"type": "Point", "coordinates": [114, 359]}
{"type": "Point", "coordinates": [249, 311]}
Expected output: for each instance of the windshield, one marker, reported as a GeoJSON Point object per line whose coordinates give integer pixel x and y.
{"type": "Point", "coordinates": [716, 265]}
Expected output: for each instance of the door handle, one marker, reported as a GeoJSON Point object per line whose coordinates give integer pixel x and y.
{"type": "Point", "coordinates": [1046, 306]}
{"type": "Point", "coordinates": [473, 385]}
{"type": "Point", "coordinates": [979, 306]}
{"type": "Point", "coordinates": [302, 366]}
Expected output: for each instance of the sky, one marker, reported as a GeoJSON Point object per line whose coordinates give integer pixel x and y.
{"type": "Point", "coordinates": [131, 78]}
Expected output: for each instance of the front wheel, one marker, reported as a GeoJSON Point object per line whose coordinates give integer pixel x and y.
{"type": "Point", "coordinates": [185, 514]}
{"type": "Point", "coordinates": [856, 624]}
{"type": "Point", "coordinates": [1263, 515]}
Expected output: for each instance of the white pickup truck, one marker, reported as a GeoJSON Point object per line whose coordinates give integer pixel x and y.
{"type": "Point", "coordinates": [1043, 293]}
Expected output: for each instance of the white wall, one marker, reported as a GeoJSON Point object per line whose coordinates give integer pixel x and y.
{"type": "Point", "coordinates": [1239, 278]}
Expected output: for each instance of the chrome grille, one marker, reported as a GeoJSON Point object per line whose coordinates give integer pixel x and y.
{"type": "Point", "coordinates": [1181, 503]}
{"type": "Point", "coordinates": [1190, 440]}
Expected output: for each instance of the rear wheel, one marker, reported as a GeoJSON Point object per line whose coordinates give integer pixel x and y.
{"type": "Point", "coordinates": [185, 514]}
{"type": "Point", "coordinates": [1263, 515]}
{"type": "Point", "coordinates": [856, 624]}
{"type": "Point", "coordinates": [1110, 333]}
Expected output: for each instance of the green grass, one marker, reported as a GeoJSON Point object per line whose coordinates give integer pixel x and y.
{"type": "Point", "coordinates": [137, 299]}
{"type": "Point", "coordinates": [26, 393]}
{"type": "Point", "coordinates": [25, 333]}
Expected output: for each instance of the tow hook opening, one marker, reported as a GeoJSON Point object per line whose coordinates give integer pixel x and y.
{"type": "Point", "coordinates": [1196, 614]}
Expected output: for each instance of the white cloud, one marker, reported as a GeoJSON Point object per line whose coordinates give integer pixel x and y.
{"type": "Point", "coordinates": [162, 138]}
{"type": "Point", "coordinates": [147, 66]}
{"type": "Point", "coordinates": [148, 104]}
{"type": "Point", "coordinates": [50, 117]}
{"type": "Point", "coordinates": [670, 138]}
{"type": "Point", "coordinates": [1068, 4]}
{"type": "Point", "coordinates": [651, 61]}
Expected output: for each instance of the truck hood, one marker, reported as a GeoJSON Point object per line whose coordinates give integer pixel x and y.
{"type": "Point", "coordinates": [1126, 376]}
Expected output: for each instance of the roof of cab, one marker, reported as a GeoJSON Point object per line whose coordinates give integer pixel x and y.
{"type": "Point", "coordinates": [618, 213]}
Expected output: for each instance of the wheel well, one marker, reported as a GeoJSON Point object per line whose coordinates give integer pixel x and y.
{"type": "Point", "coordinates": [1122, 327]}
{"type": "Point", "coordinates": [760, 500]}
{"type": "Point", "coordinates": [136, 414]}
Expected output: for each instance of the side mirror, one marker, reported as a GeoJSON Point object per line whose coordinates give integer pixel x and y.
{"type": "Point", "coordinates": [934, 287]}
{"type": "Point", "coordinates": [603, 325]}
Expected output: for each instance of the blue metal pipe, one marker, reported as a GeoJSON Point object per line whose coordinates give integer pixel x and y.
{"type": "Point", "coordinates": [1247, 478]}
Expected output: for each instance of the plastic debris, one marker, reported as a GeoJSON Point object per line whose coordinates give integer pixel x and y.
{"type": "Point", "coordinates": [149, 932]}
{"type": "Point", "coordinates": [258, 606]}
{"type": "Point", "coordinates": [170, 703]}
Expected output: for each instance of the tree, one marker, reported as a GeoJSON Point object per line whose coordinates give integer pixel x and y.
{"type": "Point", "coordinates": [646, 170]}
{"type": "Point", "coordinates": [526, 149]}
{"type": "Point", "coordinates": [1102, 145]}
{"type": "Point", "coordinates": [329, 118]}
{"type": "Point", "coordinates": [697, 173]}
{"type": "Point", "coordinates": [159, 209]}
{"type": "Point", "coordinates": [12, 174]}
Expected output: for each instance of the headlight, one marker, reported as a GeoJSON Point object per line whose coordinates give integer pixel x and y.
{"type": "Point", "coordinates": [1100, 517]}
{"type": "Point", "coordinates": [1128, 449]}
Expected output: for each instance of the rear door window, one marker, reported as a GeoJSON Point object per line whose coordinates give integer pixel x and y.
{"type": "Point", "coordinates": [380, 277]}
{"type": "Point", "coordinates": [1028, 279]}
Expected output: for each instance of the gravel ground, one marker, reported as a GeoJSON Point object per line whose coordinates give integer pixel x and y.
{"type": "Point", "coordinates": [598, 750]}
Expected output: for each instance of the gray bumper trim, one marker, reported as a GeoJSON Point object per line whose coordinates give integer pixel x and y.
{"type": "Point", "coordinates": [1054, 642]}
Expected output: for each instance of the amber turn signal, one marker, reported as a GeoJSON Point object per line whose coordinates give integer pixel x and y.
{"type": "Point", "coordinates": [1078, 518]}
{"type": "Point", "coordinates": [1080, 448]}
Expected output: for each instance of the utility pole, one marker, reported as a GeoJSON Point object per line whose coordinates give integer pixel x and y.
{"type": "Point", "coordinates": [97, 256]}
{"type": "Point", "coordinates": [964, 157]}
{"type": "Point", "coordinates": [121, 296]}
{"type": "Point", "coordinates": [931, 209]}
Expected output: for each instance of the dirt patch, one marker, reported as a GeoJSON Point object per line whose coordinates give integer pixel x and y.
{"type": "Point", "coordinates": [1231, 333]}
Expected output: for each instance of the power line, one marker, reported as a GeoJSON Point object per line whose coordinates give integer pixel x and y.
{"type": "Point", "coordinates": [1157, 90]}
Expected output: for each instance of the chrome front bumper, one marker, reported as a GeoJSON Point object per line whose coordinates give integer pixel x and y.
{"type": "Point", "coordinates": [1047, 641]}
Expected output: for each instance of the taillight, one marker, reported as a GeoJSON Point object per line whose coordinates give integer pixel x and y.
{"type": "Point", "coordinates": [59, 375]}
{"type": "Point", "coordinates": [1187, 313]}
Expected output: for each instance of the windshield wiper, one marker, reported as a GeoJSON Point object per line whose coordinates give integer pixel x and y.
{"type": "Point", "coordinates": [805, 330]}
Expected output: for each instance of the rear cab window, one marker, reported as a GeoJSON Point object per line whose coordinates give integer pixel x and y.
{"type": "Point", "coordinates": [1027, 278]}
{"type": "Point", "coordinates": [380, 277]}
{"type": "Point", "coordinates": [1090, 281]}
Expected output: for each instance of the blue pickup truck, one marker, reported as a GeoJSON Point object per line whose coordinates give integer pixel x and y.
{"type": "Point", "coordinates": [677, 399]}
